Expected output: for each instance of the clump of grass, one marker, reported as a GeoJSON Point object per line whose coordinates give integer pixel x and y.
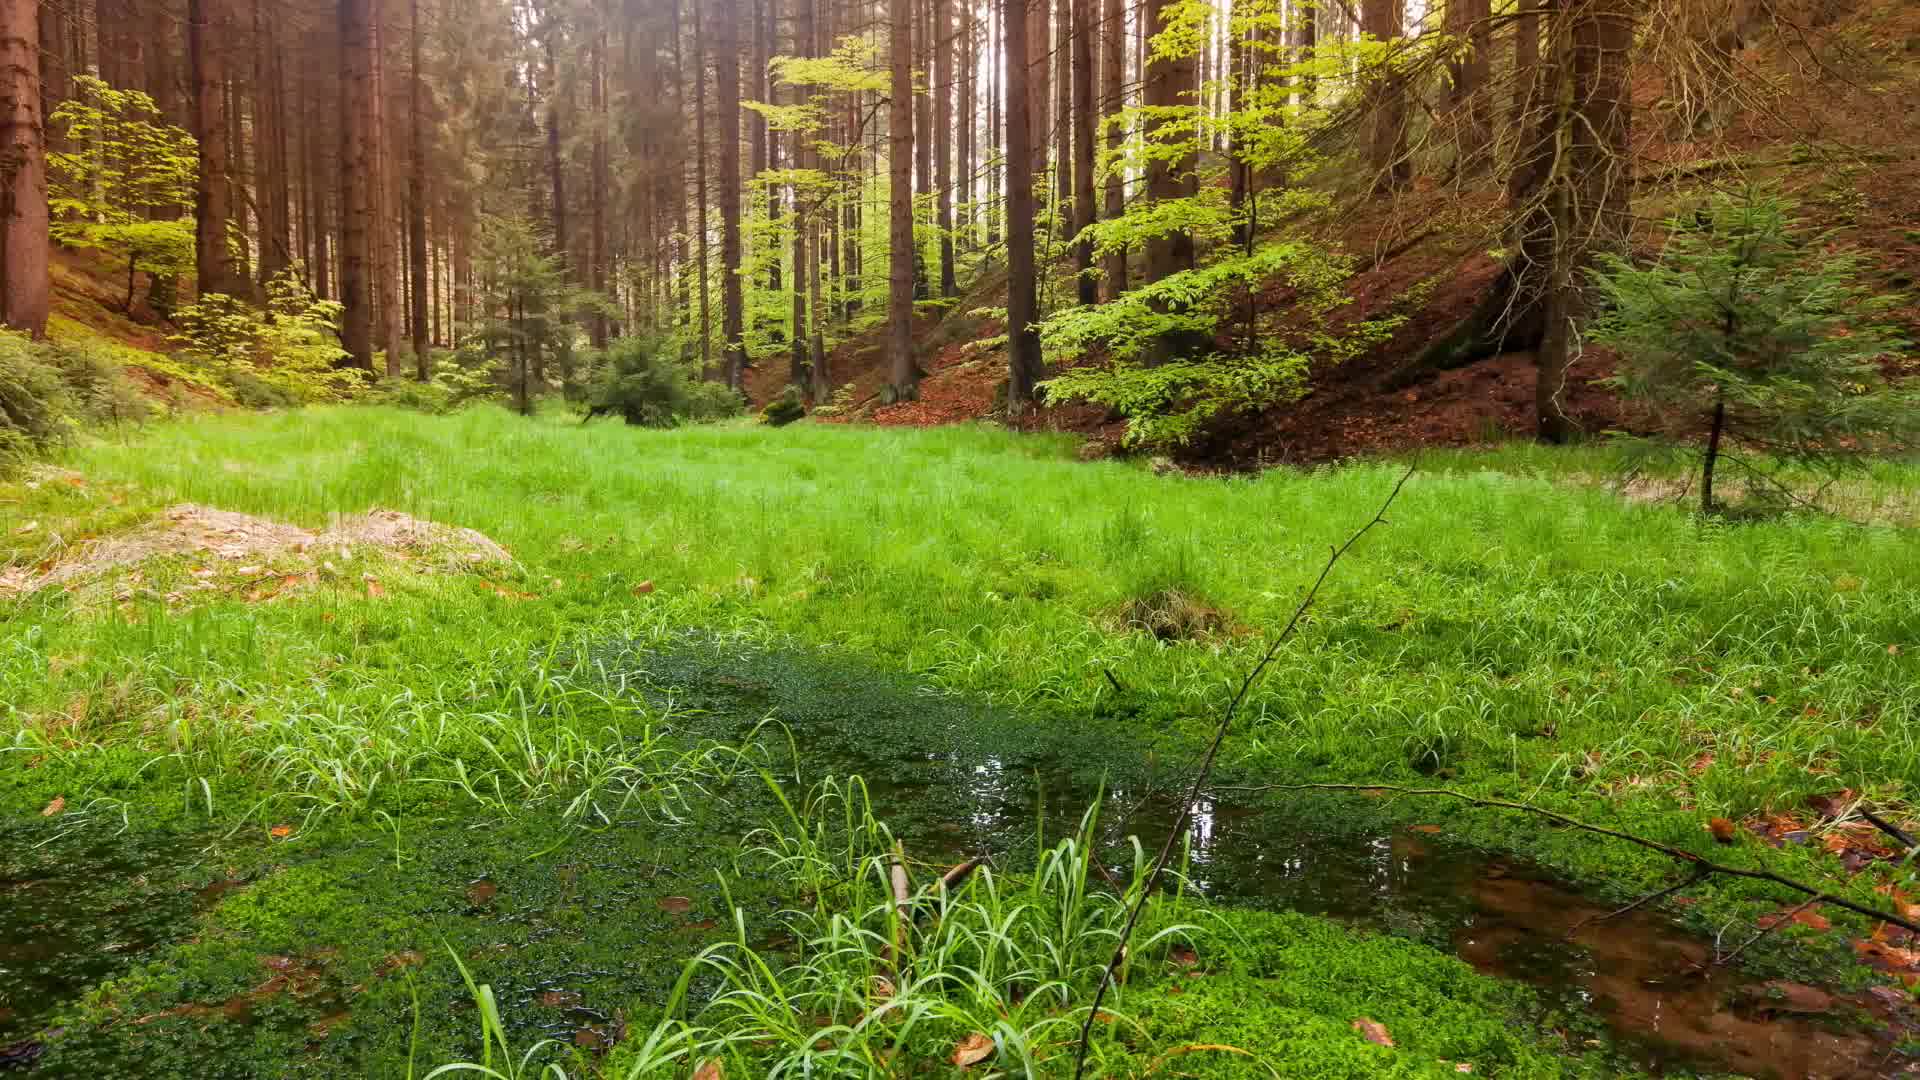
{"type": "Point", "coordinates": [1173, 615]}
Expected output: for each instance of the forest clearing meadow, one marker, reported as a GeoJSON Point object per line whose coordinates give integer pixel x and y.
{"type": "Point", "coordinates": [373, 809]}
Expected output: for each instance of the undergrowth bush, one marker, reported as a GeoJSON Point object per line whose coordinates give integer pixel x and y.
{"type": "Point", "coordinates": [49, 390]}
{"type": "Point", "coordinates": [644, 382]}
{"type": "Point", "coordinates": [286, 354]}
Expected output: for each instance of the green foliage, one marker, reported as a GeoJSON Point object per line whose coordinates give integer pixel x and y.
{"type": "Point", "coordinates": [532, 308]}
{"type": "Point", "coordinates": [784, 409]}
{"type": "Point", "coordinates": [285, 355]}
{"type": "Point", "coordinates": [644, 381]}
{"type": "Point", "coordinates": [1747, 311]}
{"type": "Point", "coordinates": [1169, 402]}
{"type": "Point", "coordinates": [126, 181]}
{"type": "Point", "coordinates": [49, 390]}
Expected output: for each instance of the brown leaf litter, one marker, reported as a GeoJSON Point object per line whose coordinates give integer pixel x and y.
{"type": "Point", "coordinates": [235, 538]}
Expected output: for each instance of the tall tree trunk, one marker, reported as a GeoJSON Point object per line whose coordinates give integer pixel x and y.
{"type": "Point", "coordinates": [1526, 63]}
{"type": "Point", "coordinates": [1169, 83]}
{"type": "Point", "coordinates": [270, 173]}
{"type": "Point", "coordinates": [904, 375]}
{"type": "Point", "coordinates": [1039, 80]}
{"type": "Point", "coordinates": [1469, 20]}
{"type": "Point", "coordinates": [25, 282]}
{"type": "Point", "coordinates": [208, 31]}
{"type": "Point", "coordinates": [357, 181]}
{"type": "Point", "coordinates": [942, 43]}
{"type": "Point", "coordinates": [1024, 368]}
{"type": "Point", "coordinates": [1084, 120]}
{"type": "Point", "coordinates": [1387, 104]}
{"type": "Point", "coordinates": [803, 217]}
{"type": "Point", "coordinates": [996, 132]}
{"type": "Point", "coordinates": [700, 186]}
{"type": "Point", "coordinates": [386, 222]}
{"type": "Point", "coordinates": [1589, 196]}
{"type": "Point", "coordinates": [417, 196]}
{"type": "Point", "coordinates": [727, 85]}
{"type": "Point", "coordinates": [597, 328]}
{"type": "Point", "coordinates": [1063, 118]}
{"type": "Point", "coordinates": [1113, 75]}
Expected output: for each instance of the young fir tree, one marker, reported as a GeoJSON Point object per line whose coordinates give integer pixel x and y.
{"type": "Point", "coordinates": [1750, 329]}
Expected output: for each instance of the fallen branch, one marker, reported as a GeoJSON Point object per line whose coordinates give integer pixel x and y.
{"type": "Point", "coordinates": [1179, 828]}
{"type": "Point", "coordinates": [1702, 865]}
{"type": "Point", "coordinates": [1767, 928]}
{"type": "Point", "coordinates": [902, 904]}
{"type": "Point", "coordinates": [953, 878]}
{"type": "Point", "coordinates": [1907, 843]}
{"type": "Point", "coordinates": [1651, 898]}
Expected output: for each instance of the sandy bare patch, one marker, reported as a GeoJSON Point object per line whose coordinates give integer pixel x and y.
{"type": "Point", "coordinates": [233, 537]}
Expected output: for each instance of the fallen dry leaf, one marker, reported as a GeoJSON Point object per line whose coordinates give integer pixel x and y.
{"type": "Point", "coordinates": [1429, 829]}
{"type": "Point", "coordinates": [1373, 1031]}
{"type": "Point", "coordinates": [58, 804]}
{"type": "Point", "coordinates": [709, 1070]}
{"type": "Point", "coordinates": [27, 528]}
{"type": "Point", "coordinates": [675, 905]}
{"type": "Point", "coordinates": [374, 591]}
{"type": "Point", "coordinates": [643, 588]}
{"type": "Point", "coordinates": [1722, 830]}
{"type": "Point", "coordinates": [280, 832]}
{"type": "Point", "coordinates": [972, 1050]}
{"type": "Point", "coordinates": [1183, 956]}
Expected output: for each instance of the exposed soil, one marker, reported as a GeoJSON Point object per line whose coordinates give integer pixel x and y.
{"type": "Point", "coordinates": [226, 537]}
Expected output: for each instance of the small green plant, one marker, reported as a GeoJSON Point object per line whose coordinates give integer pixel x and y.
{"type": "Point", "coordinates": [1751, 330]}
{"type": "Point", "coordinates": [285, 354]}
{"type": "Point", "coordinates": [1167, 402]}
{"type": "Point", "coordinates": [49, 390]}
{"type": "Point", "coordinates": [784, 409]}
{"type": "Point", "coordinates": [643, 381]}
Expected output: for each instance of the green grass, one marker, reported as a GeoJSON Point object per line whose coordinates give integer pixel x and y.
{"type": "Point", "coordinates": [1515, 631]}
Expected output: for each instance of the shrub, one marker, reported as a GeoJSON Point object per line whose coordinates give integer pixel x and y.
{"type": "Point", "coordinates": [286, 354]}
{"type": "Point", "coordinates": [646, 384]}
{"type": "Point", "coordinates": [36, 408]}
{"type": "Point", "coordinates": [1749, 330]}
{"type": "Point", "coordinates": [784, 409]}
{"type": "Point", "coordinates": [47, 391]}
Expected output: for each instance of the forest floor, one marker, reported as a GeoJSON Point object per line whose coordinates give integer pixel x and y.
{"type": "Point", "coordinates": [282, 760]}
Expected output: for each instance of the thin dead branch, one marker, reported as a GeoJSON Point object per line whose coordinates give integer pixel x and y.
{"type": "Point", "coordinates": [1700, 863]}
{"type": "Point", "coordinates": [1206, 770]}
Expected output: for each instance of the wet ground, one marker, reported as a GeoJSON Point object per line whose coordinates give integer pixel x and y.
{"type": "Point", "coordinates": [956, 780]}
{"type": "Point", "coordinates": [78, 906]}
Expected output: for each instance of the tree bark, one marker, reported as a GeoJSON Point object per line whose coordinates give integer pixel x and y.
{"type": "Point", "coordinates": [1062, 119]}
{"type": "Point", "coordinates": [1084, 120]}
{"type": "Point", "coordinates": [1023, 337]}
{"type": "Point", "coordinates": [1113, 82]}
{"type": "Point", "coordinates": [943, 46]}
{"type": "Point", "coordinates": [904, 378]}
{"type": "Point", "coordinates": [727, 87]}
{"type": "Point", "coordinates": [386, 279]}
{"type": "Point", "coordinates": [1039, 81]}
{"type": "Point", "coordinates": [356, 181]}
{"type": "Point", "coordinates": [417, 196]}
{"type": "Point", "coordinates": [1472, 112]}
{"type": "Point", "coordinates": [1387, 120]}
{"type": "Point", "coordinates": [25, 284]}
{"type": "Point", "coordinates": [208, 30]}
{"type": "Point", "coordinates": [1169, 82]}
{"type": "Point", "coordinates": [600, 181]}
{"type": "Point", "coordinates": [700, 155]}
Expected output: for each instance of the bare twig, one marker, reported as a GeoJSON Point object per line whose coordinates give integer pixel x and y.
{"type": "Point", "coordinates": [1700, 863]}
{"type": "Point", "coordinates": [1697, 876]}
{"type": "Point", "coordinates": [1778, 922]}
{"type": "Point", "coordinates": [1206, 769]}
{"type": "Point", "coordinates": [1906, 842]}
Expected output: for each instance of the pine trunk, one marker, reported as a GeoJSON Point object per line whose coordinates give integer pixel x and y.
{"type": "Point", "coordinates": [1169, 83]}
{"type": "Point", "coordinates": [417, 197]}
{"type": "Point", "coordinates": [25, 284]}
{"type": "Point", "coordinates": [1023, 336]}
{"type": "Point", "coordinates": [1113, 74]}
{"type": "Point", "coordinates": [727, 86]}
{"type": "Point", "coordinates": [1387, 104]}
{"type": "Point", "coordinates": [1083, 125]}
{"type": "Point", "coordinates": [208, 30]}
{"type": "Point", "coordinates": [356, 181]}
{"type": "Point", "coordinates": [942, 43]}
{"type": "Point", "coordinates": [904, 376]}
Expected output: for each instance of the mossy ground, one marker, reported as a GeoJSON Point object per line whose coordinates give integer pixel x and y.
{"type": "Point", "coordinates": [361, 758]}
